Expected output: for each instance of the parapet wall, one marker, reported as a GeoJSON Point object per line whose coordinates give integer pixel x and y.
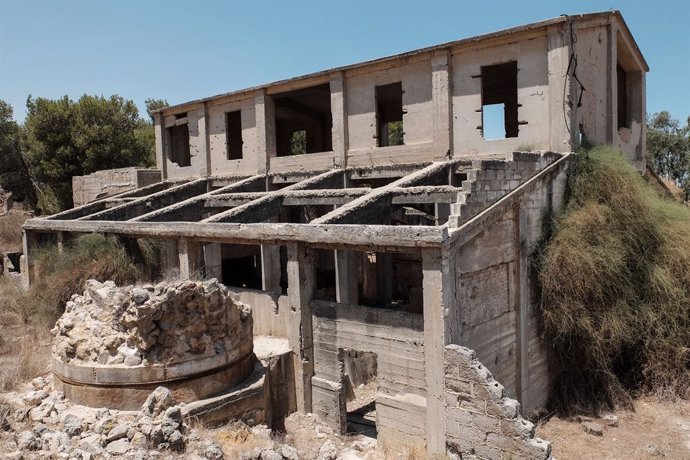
{"type": "Point", "coordinates": [480, 420]}
{"type": "Point", "coordinates": [109, 182]}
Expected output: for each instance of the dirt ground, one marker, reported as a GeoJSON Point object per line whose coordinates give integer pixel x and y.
{"type": "Point", "coordinates": [653, 430]}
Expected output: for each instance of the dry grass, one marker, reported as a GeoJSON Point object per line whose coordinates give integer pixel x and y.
{"type": "Point", "coordinates": [11, 230]}
{"type": "Point", "coordinates": [653, 430]}
{"type": "Point", "coordinates": [615, 280]}
{"type": "Point", "coordinates": [24, 357]}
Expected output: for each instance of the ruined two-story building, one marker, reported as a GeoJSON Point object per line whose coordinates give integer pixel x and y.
{"type": "Point", "coordinates": [369, 217]}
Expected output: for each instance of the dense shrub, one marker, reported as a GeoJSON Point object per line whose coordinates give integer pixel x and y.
{"type": "Point", "coordinates": [615, 282]}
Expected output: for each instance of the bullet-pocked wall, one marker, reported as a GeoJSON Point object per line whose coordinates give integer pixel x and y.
{"type": "Point", "coordinates": [180, 162]}
{"type": "Point", "coordinates": [363, 108]}
{"type": "Point", "coordinates": [472, 82]}
{"type": "Point", "coordinates": [233, 145]}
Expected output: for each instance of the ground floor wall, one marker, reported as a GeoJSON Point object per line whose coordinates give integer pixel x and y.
{"type": "Point", "coordinates": [397, 339]}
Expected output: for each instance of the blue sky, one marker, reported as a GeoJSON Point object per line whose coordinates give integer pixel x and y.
{"type": "Point", "coordinates": [183, 50]}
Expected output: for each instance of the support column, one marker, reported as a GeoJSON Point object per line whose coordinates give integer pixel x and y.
{"type": "Point", "coordinates": [611, 83]}
{"type": "Point", "coordinates": [266, 131]}
{"type": "Point", "coordinates": [60, 237]}
{"type": "Point", "coordinates": [159, 133]}
{"type": "Point", "coordinates": [384, 276]}
{"type": "Point", "coordinates": [339, 131]}
{"type": "Point", "coordinates": [562, 124]}
{"type": "Point", "coordinates": [441, 104]}
{"type": "Point", "coordinates": [346, 277]}
{"type": "Point", "coordinates": [369, 281]}
{"type": "Point", "coordinates": [270, 268]}
{"type": "Point", "coordinates": [206, 136]}
{"type": "Point", "coordinates": [191, 257]}
{"type": "Point", "coordinates": [441, 213]}
{"type": "Point", "coordinates": [300, 336]}
{"type": "Point", "coordinates": [520, 290]}
{"type": "Point", "coordinates": [26, 262]}
{"type": "Point", "coordinates": [213, 261]}
{"type": "Point", "coordinates": [437, 292]}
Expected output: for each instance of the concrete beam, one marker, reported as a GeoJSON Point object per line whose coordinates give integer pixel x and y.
{"type": "Point", "coordinates": [151, 202]}
{"type": "Point", "coordinates": [375, 237]}
{"type": "Point", "coordinates": [191, 209]}
{"type": "Point", "coordinates": [428, 194]}
{"type": "Point", "coordinates": [357, 210]}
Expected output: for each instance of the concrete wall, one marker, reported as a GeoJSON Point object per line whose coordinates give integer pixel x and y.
{"type": "Point", "coordinates": [480, 421]}
{"type": "Point", "coordinates": [592, 50]}
{"type": "Point", "coordinates": [533, 95]}
{"type": "Point", "coordinates": [397, 339]}
{"type": "Point", "coordinates": [497, 297]}
{"type": "Point", "coordinates": [105, 183]}
{"type": "Point", "coordinates": [270, 311]}
{"type": "Point", "coordinates": [196, 125]}
{"type": "Point", "coordinates": [361, 110]}
{"type": "Point", "coordinates": [218, 141]}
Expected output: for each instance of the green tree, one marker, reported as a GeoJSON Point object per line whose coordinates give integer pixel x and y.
{"type": "Point", "coordinates": [14, 175]}
{"type": "Point", "coordinates": [668, 149]}
{"type": "Point", "coordinates": [66, 138]}
{"type": "Point", "coordinates": [155, 104]}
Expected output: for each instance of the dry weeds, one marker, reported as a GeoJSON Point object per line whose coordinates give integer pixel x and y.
{"type": "Point", "coordinates": [11, 230]}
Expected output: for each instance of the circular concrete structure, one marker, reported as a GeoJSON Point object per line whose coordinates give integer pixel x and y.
{"type": "Point", "coordinates": [114, 345]}
{"type": "Point", "coordinates": [126, 388]}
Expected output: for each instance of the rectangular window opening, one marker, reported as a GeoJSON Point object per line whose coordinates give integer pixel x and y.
{"type": "Point", "coordinates": [499, 101]}
{"type": "Point", "coordinates": [178, 135]}
{"type": "Point", "coordinates": [241, 266]}
{"type": "Point", "coordinates": [233, 133]}
{"type": "Point", "coordinates": [303, 121]}
{"type": "Point", "coordinates": [389, 115]}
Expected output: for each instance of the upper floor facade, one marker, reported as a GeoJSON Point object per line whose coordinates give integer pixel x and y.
{"type": "Point", "coordinates": [542, 86]}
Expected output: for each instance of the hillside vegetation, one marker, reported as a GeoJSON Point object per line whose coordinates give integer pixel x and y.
{"type": "Point", "coordinates": [615, 280]}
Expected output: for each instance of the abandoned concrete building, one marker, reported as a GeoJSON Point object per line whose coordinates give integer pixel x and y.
{"type": "Point", "coordinates": [369, 221]}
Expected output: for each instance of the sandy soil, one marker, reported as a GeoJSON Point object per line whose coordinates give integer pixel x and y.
{"type": "Point", "coordinates": [654, 430]}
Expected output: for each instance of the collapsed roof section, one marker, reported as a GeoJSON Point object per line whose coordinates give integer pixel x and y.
{"type": "Point", "coordinates": [391, 207]}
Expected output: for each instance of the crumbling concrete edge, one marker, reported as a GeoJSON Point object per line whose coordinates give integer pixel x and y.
{"type": "Point", "coordinates": [481, 422]}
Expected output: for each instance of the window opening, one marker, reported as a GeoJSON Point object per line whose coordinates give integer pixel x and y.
{"type": "Point", "coordinates": [389, 115]}
{"type": "Point", "coordinates": [499, 101]}
{"type": "Point", "coordinates": [233, 132]}
{"type": "Point", "coordinates": [179, 142]}
{"type": "Point", "coordinates": [303, 121]}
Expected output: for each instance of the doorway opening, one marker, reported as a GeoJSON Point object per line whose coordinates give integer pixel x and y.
{"type": "Point", "coordinates": [360, 386]}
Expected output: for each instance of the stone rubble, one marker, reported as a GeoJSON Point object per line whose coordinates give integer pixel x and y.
{"type": "Point", "coordinates": [164, 323]}
{"type": "Point", "coordinates": [42, 424]}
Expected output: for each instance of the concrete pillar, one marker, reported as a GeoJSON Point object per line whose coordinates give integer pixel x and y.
{"type": "Point", "coordinates": [191, 258]}
{"type": "Point", "coordinates": [301, 285]}
{"type": "Point", "coordinates": [266, 131]}
{"type": "Point", "coordinates": [520, 223]}
{"type": "Point", "coordinates": [159, 132]}
{"type": "Point", "coordinates": [59, 237]}
{"type": "Point", "coordinates": [270, 268]}
{"type": "Point", "coordinates": [437, 294]}
{"type": "Point", "coordinates": [346, 277]}
{"type": "Point", "coordinates": [384, 276]}
{"type": "Point", "coordinates": [26, 263]}
{"type": "Point", "coordinates": [205, 137]}
{"type": "Point", "coordinates": [213, 261]}
{"type": "Point", "coordinates": [441, 213]}
{"type": "Point", "coordinates": [562, 123]}
{"type": "Point", "coordinates": [611, 83]}
{"type": "Point", "coordinates": [441, 100]}
{"type": "Point", "coordinates": [339, 111]}
{"type": "Point", "coordinates": [369, 279]}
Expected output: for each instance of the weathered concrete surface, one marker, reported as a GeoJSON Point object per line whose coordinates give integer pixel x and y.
{"type": "Point", "coordinates": [113, 344]}
{"type": "Point", "coordinates": [109, 182]}
{"type": "Point", "coordinates": [481, 422]}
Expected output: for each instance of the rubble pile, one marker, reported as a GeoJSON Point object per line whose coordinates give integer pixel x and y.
{"type": "Point", "coordinates": [164, 323]}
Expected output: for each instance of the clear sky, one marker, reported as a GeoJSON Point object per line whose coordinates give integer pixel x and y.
{"type": "Point", "coordinates": [184, 50]}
